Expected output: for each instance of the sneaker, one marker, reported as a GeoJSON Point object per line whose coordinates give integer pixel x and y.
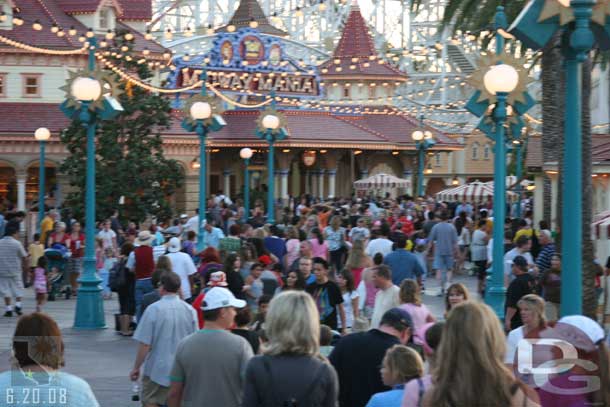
{"type": "Point", "coordinates": [8, 314]}
{"type": "Point", "coordinates": [18, 310]}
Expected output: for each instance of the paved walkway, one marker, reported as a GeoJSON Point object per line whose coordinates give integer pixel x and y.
{"type": "Point", "coordinates": [104, 359]}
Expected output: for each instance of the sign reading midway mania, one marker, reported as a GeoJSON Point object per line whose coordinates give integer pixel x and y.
{"type": "Point", "coordinates": [248, 61]}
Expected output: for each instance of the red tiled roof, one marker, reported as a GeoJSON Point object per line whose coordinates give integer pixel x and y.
{"type": "Point", "coordinates": [305, 128]}
{"type": "Point", "coordinates": [136, 10]}
{"type": "Point", "coordinates": [78, 6]}
{"type": "Point", "coordinates": [351, 56]}
{"type": "Point", "coordinates": [27, 117]}
{"type": "Point", "coordinates": [250, 10]}
{"type": "Point", "coordinates": [48, 12]}
{"type": "Point", "coordinates": [600, 150]}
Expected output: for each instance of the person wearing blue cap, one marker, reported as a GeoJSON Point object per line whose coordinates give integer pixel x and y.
{"type": "Point", "coordinates": [357, 357]}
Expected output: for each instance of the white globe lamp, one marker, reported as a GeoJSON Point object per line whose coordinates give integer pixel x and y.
{"type": "Point", "coordinates": [86, 89]}
{"type": "Point", "coordinates": [200, 110]}
{"type": "Point", "coordinates": [501, 78]}
{"type": "Point", "coordinates": [427, 134]}
{"type": "Point", "coordinates": [271, 122]}
{"type": "Point", "coordinates": [417, 135]}
{"type": "Point", "coordinates": [42, 134]}
{"type": "Point", "coordinates": [245, 153]}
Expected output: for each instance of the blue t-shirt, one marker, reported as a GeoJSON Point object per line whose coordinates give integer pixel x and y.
{"type": "Point", "coordinates": [403, 264]}
{"type": "Point", "coordinates": [52, 389]}
{"type": "Point", "coordinates": [390, 398]}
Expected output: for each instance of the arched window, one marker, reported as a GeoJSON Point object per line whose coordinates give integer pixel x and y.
{"type": "Point", "coordinates": [475, 150]}
{"type": "Point", "coordinates": [486, 151]}
{"type": "Point", "coordinates": [346, 93]}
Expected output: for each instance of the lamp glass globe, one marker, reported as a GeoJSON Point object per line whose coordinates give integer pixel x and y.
{"type": "Point", "coordinates": [427, 134]}
{"type": "Point", "coordinates": [418, 135]}
{"type": "Point", "coordinates": [86, 89]}
{"type": "Point", "coordinates": [201, 110]}
{"type": "Point", "coordinates": [245, 153]}
{"type": "Point", "coordinates": [565, 3]}
{"type": "Point", "coordinates": [42, 134]}
{"type": "Point", "coordinates": [271, 122]}
{"type": "Point", "coordinates": [501, 78]}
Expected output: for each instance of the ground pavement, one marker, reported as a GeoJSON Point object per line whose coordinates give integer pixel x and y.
{"type": "Point", "coordinates": [104, 359]}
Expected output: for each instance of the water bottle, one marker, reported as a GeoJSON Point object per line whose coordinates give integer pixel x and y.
{"type": "Point", "coordinates": [135, 390]}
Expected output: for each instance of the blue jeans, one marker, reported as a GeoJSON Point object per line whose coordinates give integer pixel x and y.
{"type": "Point", "coordinates": [143, 286]}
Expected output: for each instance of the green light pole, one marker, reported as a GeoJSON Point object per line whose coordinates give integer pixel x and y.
{"type": "Point", "coordinates": [271, 130]}
{"type": "Point", "coordinates": [423, 141]}
{"type": "Point", "coordinates": [246, 154]}
{"type": "Point", "coordinates": [199, 118]}
{"type": "Point", "coordinates": [87, 104]}
{"type": "Point", "coordinates": [42, 135]}
{"type": "Point", "coordinates": [535, 29]}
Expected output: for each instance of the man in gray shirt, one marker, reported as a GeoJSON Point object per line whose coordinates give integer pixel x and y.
{"type": "Point", "coordinates": [210, 364]}
{"type": "Point", "coordinates": [443, 239]}
{"type": "Point", "coordinates": [12, 254]}
{"type": "Point", "coordinates": [164, 324]}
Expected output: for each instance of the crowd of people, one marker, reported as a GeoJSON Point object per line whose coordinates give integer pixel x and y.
{"type": "Point", "coordinates": [325, 306]}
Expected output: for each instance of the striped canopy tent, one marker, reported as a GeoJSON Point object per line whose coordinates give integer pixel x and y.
{"type": "Point", "coordinates": [381, 181]}
{"type": "Point", "coordinates": [474, 192]}
{"type": "Point", "coordinates": [600, 227]}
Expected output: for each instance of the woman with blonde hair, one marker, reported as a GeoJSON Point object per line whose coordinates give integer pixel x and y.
{"type": "Point", "coordinates": [472, 372]}
{"type": "Point", "coordinates": [291, 370]}
{"type": "Point", "coordinates": [400, 365]}
{"type": "Point", "coordinates": [531, 309]}
{"type": "Point", "coordinates": [357, 260]}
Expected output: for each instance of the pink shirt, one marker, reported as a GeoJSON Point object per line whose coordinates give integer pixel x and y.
{"type": "Point", "coordinates": [419, 314]}
{"type": "Point", "coordinates": [317, 249]}
{"type": "Point", "coordinates": [292, 251]}
{"type": "Point", "coordinates": [413, 389]}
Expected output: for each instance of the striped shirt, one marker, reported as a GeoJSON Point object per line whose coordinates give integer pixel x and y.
{"type": "Point", "coordinates": [11, 254]}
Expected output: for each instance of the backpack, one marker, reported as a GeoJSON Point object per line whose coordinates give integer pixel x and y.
{"type": "Point", "coordinates": [303, 400]}
{"type": "Point", "coordinates": [117, 276]}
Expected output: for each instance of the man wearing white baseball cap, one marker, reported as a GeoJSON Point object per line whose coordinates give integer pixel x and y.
{"type": "Point", "coordinates": [209, 364]}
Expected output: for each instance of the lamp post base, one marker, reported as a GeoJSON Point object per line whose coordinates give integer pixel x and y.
{"type": "Point", "coordinates": [495, 298]}
{"type": "Point", "coordinates": [89, 303]}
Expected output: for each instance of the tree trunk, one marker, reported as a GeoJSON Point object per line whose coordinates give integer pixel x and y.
{"type": "Point", "coordinates": [588, 255]}
{"type": "Point", "coordinates": [553, 90]}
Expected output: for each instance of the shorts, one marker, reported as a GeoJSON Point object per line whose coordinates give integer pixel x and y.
{"type": "Point", "coordinates": [11, 287]}
{"type": "Point", "coordinates": [153, 393]}
{"type": "Point", "coordinates": [443, 262]}
{"type": "Point", "coordinates": [481, 269]}
{"type": "Point", "coordinates": [75, 265]}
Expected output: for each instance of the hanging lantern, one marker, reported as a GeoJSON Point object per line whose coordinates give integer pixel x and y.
{"type": "Point", "coordinates": [309, 158]}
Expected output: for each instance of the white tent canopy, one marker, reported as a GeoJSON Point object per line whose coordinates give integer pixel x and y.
{"type": "Point", "coordinates": [381, 181]}
{"type": "Point", "coordinates": [474, 192]}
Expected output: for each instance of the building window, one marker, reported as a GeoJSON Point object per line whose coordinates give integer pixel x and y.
{"type": "Point", "coordinates": [31, 85]}
{"type": "Point", "coordinates": [437, 159]}
{"type": "Point", "coordinates": [2, 85]}
{"type": "Point", "coordinates": [475, 150]}
{"type": "Point", "coordinates": [105, 18]}
{"type": "Point", "coordinates": [486, 152]}
{"type": "Point", "coordinates": [346, 94]}
{"type": "Point", "coordinates": [372, 92]}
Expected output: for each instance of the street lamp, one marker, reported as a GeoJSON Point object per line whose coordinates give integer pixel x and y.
{"type": "Point", "coordinates": [424, 139]}
{"type": "Point", "coordinates": [42, 135]}
{"type": "Point", "coordinates": [86, 103]}
{"type": "Point", "coordinates": [270, 129]}
{"type": "Point", "coordinates": [246, 154]}
{"type": "Point", "coordinates": [500, 80]}
{"type": "Point", "coordinates": [200, 119]}
{"type": "Point", "coordinates": [536, 27]}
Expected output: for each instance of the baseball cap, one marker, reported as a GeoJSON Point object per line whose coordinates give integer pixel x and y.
{"type": "Point", "coordinates": [397, 316]}
{"type": "Point", "coordinates": [183, 216]}
{"type": "Point", "coordinates": [218, 278]}
{"type": "Point", "coordinates": [588, 326]}
{"type": "Point", "coordinates": [265, 260]}
{"type": "Point", "coordinates": [174, 245]}
{"type": "Point", "coordinates": [219, 297]}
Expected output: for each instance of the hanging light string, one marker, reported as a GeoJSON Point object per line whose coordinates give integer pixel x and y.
{"type": "Point", "coordinates": [31, 48]}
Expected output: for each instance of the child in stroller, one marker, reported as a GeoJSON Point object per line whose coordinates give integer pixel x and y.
{"type": "Point", "coordinates": [57, 259]}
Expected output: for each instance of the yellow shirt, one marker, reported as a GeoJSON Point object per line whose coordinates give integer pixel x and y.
{"type": "Point", "coordinates": [36, 251]}
{"type": "Point", "coordinates": [524, 232]}
{"type": "Point", "coordinates": [45, 227]}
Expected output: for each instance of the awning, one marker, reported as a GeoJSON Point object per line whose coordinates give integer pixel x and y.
{"type": "Point", "coordinates": [382, 181]}
{"type": "Point", "coordinates": [472, 192]}
{"type": "Point", "coordinates": [600, 227]}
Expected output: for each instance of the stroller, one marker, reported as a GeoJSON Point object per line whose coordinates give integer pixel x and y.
{"type": "Point", "coordinates": [57, 260]}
